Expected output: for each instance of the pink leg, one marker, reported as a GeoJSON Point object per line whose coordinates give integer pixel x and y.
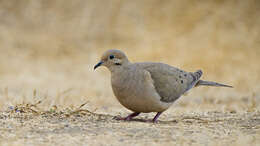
{"type": "Point", "coordinates": [129, 117]}
{"type": "Point", "coordinates": [156, 117]}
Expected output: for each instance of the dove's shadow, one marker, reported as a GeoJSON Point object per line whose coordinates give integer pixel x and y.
{"type": "Point", "coordinates": [146, 121]}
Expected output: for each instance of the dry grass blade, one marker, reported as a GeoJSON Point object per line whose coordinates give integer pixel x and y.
{"type": "Point", "coordinates": [253, 105]}
{"type": "Point", "coordinates": [34, 93]}
{"type": "Point", "coordinates": [27, 108]}
{"type": "Point", "coordinates": [83, 105]}
{"type": "Point", "coordinates": [82, 111]}
{"type": "Point", "coordinates": [6, 92]}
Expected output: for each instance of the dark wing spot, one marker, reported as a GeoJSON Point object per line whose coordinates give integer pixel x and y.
{"type": "Point", "coordinates": [193, 78]}
{"type": "Point", "coordinates": [181, 71]}
{"type": "Point", "coordinates": [182, 81]}
{"type": "Point", "coordinates": [180, 77]}
{"type": "Point", "coordinates": [185, 75]}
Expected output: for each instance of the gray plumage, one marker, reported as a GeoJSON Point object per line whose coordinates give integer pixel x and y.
{"type": "Point", "coordinates": [147, 86]}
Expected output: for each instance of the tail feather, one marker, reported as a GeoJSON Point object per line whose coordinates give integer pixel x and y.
{"type": "Point", "coordinates": [196, 75]}
{"type": "Point", "coordinates": [210, 83]}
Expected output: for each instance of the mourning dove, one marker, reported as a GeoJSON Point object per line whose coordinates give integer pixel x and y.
{"type": "Point", "coordinates": [148, 87]}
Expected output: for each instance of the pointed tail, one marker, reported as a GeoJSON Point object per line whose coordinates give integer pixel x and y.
{"type": "Point", "coordinates": [210, 83]}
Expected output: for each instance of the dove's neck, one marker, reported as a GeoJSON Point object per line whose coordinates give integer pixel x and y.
{"type": "Point", "coordinates": [119, 75]}
{"type": "Point", "coordinates": [117, 69]}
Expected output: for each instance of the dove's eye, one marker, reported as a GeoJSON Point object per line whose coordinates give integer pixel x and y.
{"type": "Point", "coordinates": [111, 57]}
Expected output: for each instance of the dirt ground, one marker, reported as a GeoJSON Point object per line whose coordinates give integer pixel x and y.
{"type": "Point", "coordinates": [24, 125]}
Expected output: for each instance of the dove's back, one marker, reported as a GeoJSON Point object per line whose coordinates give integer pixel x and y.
{"type": "Point", "coordinates": [170, 82]}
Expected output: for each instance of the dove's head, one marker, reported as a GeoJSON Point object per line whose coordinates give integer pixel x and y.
{"type": "Point", "coordinates": [113, 59]}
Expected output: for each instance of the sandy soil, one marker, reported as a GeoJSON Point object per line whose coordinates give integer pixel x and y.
{"type": "Point", "coordinates": [24, 125]}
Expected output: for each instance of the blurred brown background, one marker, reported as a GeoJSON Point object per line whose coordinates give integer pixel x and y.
{"type": "Point", "coordinates": [48, 48]}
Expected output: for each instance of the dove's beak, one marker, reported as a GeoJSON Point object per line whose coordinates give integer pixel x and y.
{"type": "Point", "coordinates": [97, 65]}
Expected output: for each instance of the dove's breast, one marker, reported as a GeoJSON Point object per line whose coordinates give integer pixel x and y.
{"type": "Point", "coordinates": [134, 89]}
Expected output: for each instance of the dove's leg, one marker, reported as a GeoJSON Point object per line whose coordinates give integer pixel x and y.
{"type": "Point", "coordinates": [156, 116]}
{"type": "Point", "coordinates": [129, 117]}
